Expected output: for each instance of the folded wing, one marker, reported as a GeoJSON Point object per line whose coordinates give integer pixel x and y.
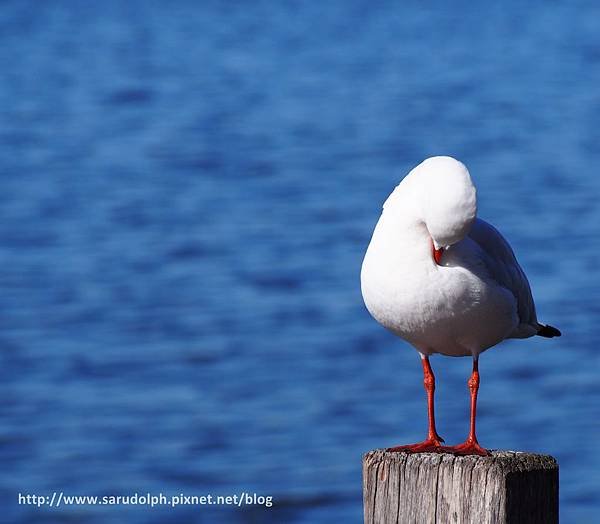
{"type": "Point", "coordinates": [505, 270]}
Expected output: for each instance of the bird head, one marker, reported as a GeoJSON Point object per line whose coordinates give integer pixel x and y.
{"type": "Point", "coordinates": [448, 199]}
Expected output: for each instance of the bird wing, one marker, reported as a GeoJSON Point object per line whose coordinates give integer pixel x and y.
{"type": "Point", "coordinates": [505, 270]}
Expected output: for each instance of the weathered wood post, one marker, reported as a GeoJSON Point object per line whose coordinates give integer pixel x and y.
{"type": "Point", "coordinates": [420, 488]}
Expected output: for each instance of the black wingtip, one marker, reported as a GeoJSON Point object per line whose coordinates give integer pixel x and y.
{"type": "Point", "coordinates": [548, 332]}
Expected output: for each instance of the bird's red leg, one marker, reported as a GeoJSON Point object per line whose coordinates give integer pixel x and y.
{"type": "Point", "coordinates": [471, 446]}
{"type": "Point", "coordinates": [433, 441]}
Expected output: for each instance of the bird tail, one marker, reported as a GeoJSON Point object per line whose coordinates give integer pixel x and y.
{"type": "Point", "coordinates": [548, 331]}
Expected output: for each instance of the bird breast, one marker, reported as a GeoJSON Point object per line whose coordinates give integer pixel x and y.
{"type": "Point", "coordinates": [448, 309]}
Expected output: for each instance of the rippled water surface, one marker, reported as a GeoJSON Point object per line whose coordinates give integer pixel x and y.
{"type": "Point", "coordinates": [186, 193]}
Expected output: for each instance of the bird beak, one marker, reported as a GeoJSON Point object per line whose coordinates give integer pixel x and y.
{"type": "Point", "coordinates": [437, 251]}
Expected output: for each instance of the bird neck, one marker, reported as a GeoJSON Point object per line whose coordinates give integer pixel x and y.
{"type": "Point", "coordinates": [403, 238]}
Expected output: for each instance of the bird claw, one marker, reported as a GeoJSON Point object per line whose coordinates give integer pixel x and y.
{"type": "Point", "coordinates": [431, 445]}
{"type": "Point", "coordinates": [469, 447]}
{"type": "Point", "coordinates": [434, 445]}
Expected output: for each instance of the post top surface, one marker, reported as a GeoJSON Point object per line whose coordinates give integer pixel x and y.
{"type": "Point", "coordinates": [509, 460]}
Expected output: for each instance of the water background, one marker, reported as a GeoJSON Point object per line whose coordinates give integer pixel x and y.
{"type": "Point", "coordinates": [186, 193]}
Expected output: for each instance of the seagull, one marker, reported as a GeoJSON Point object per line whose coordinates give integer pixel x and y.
{"type": "Point", "coordinates": [445, 281]}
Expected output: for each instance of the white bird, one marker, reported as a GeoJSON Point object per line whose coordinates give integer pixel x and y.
{"type": "Point", "coordinates": [445, 281]}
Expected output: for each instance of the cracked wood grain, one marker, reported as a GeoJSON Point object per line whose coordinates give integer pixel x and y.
{"type": "Point", "coordinates": [416, 488]}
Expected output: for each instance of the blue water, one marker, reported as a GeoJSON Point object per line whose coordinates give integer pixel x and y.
{"type": "Point", "coordinates": [187, 190]}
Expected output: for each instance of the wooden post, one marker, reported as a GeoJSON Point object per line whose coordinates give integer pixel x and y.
{"type": "Point", "coordinates": [416, 488]}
